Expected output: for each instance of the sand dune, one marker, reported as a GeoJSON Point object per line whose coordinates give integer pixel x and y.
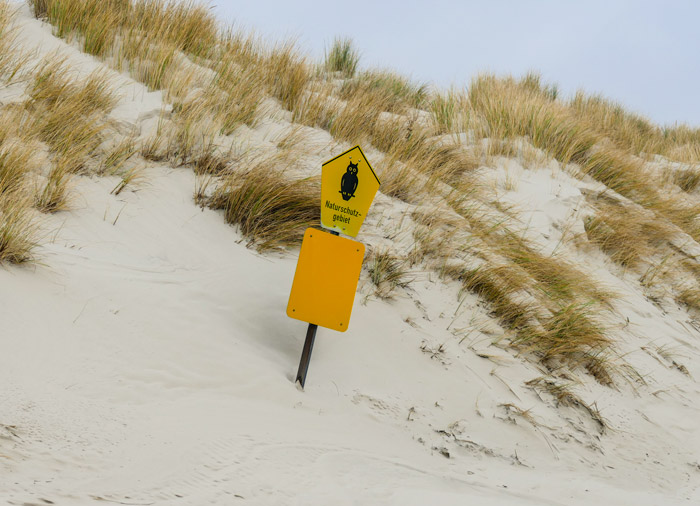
{"type": "Point", "coordinates": [147, 359]}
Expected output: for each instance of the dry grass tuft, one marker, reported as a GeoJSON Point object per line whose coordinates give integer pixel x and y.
{"type": "Point", "coordinates": [630, 131]}
{"type": "Point", "coordinates": [558, 279]}
{"type": "Point", "coordinates": [399, 180]}
{"type": "Point", "coordinates": [295, 137]}
{"type": "Point", "coordinates": [628, 235]}
{"type": "Point", "coordinates": [354, 121]}
{"type": "Point", "coordinates": [634, 133]}
{"type": "Point", "coordinates": [231, 100]}
{"type": "Point", "coordinates": [342, 57]}
{"type": "Point", "coordinates": [154, 67]}
{"type": "Point", "coordinates": [271, 210]}
{"type": "Point", "coordinates": [574, 336]}
{"type": "Point", "coordinates": [186, 26]}
{"type": "Point", "coordinates": [18, 230]}
{"type": "Point", "coordinates": [564, 396]}
{"type": "Point", "coordinates": [449, 163]}
{"type": "Point", "coordinates": [131, 177]}
{"type": "Point", "coordinates": [509, 109]}
{"type": "Point", "coordinates": [286, 74]}
{"type": "Point", "coordinates": [685, 150]}
{"type": "Point", "coordinates": [54, 195]}
{"type": "Point", "coordinates": [69, 114]}
{"type": "Point", "coordinates": [687, 179]}
{"type": "Point", "coordinates": [398, 135]}
{"type": "Point", "coordinates": [690, 297]}
{"type": "Point", "coordinates": [503, 288]}
{"type": "Point", "coordinates": [317, 107]}
{"type": "Point", "coordinates": [618, 172]}
{"type": "Point", "coordinates": [398, 94]}
{"type": "Point", "coordinates": [360, 113]}
{"type": "Point", "coordinates": [450, 111]}
{"type": "Point", "coordinates": [552, 308]}
{"type": "Point", "coordinates": [16, 161]}
{"type": "Point", "coordinates": [88, 19]}
{"type": "Point", "coordinates": [212, 160]}
{"type": "Point", "coordinates": [387, 271]}
{"type": "Point", "coordinates": [12, 58]}
{"type": "Point", "coordinates": [39, 8]}
{"type": "Point", "coordinates": [118, 155]}
{"type": "Point", "coordinates": [560, 391]}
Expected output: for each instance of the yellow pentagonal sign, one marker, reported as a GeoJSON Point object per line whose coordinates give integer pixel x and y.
{"type": "Point", "coordinates": [348, 187]}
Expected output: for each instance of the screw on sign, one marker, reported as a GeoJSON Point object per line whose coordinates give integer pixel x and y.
{"type": "Point", "coordinates": [328, 269]}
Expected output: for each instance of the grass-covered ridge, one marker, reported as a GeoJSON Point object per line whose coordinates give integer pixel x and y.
{"type": "Point", "coordinates": [52, 132]}
{"type": "Point", "coordinates": [432, 148]}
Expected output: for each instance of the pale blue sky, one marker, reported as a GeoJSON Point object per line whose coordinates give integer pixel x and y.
{"type": "Point", "coordinates": [643, 54]}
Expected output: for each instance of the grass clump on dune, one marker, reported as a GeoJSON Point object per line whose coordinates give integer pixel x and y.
{"type": "Point", "coordinates": [95, 20]}
{"type": "Point", "coordinates": [271, 210]}
{"type": "Point", "coordinates": [342, 57]}
{"type": "Point", "coordinates": [69, 114]}
{"type": "Point", "coordinates": [16, 161]}
{"type": "Point", "coordinates": [187, 26]}
{"type": "Point", "coordinates": [687, 180]}
{"type": "Point", "coordinates": [503, 288]}
{"type": "Point", "coordinates": [286, 73]}
{"type": "Point", "coordinates": [634, 133]}
{"type": "Point", "coordinates": [629, 236]}
{"type": "Point", "coordinates": [552, 308]}
{"type": "Point", "coordinates": [399, 180]}
{"type": "Point", "coordinates": [557, 333]}
{"type": "Point", "coordinates": [448, 111]}
{"type": "Point", "coordinates": [54, 195]}
{"type": "Point", "coordinates": [18, 229]}
{"type": "Point", "coordinates": [571, 335]}
{"type": "Point", "coordinates": [629, 131]}
{"type": "Point", "coordinates": [557, 279]}
{"type": "Point", "coordinates": [509, 108]}
{"type": "Point", "coordinates": [398, 93]}
{"type": "Point", "coordinates": [387, 272]}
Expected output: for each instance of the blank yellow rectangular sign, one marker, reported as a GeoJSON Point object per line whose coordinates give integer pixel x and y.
{"type": "Point", "coordinates": [326, 279]}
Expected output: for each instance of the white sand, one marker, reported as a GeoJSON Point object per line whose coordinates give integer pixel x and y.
{"type": "Point", "coordinates": [148, 360]}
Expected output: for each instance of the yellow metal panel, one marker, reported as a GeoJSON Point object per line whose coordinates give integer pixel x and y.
{"type": "Point", "coordinates": [348, 187]}
{"type": "Point", "coordinates": [326, 279]}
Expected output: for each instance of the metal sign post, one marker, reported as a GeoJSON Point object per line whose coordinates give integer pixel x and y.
{"type": "Point", "coordinates": [306, 354]}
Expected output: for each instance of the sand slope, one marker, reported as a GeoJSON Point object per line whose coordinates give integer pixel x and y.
{"type": "Point", "coordinates": [147, 359]}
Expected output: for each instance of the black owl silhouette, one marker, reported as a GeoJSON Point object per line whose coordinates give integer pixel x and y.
{"type": "Point", "coordinates": [348, 183]}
